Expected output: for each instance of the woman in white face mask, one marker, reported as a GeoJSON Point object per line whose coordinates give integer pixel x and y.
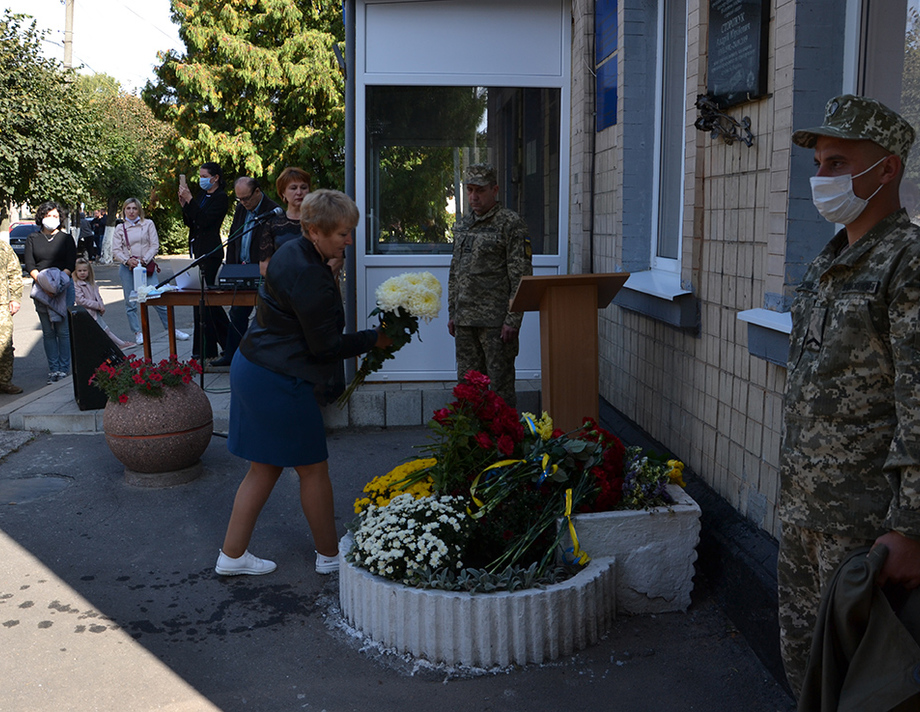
{"type": "Point", "coordinates": [50, 255]}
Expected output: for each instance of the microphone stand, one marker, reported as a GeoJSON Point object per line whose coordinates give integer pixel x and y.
{"type": "Point", "coordinates": [201, 283]}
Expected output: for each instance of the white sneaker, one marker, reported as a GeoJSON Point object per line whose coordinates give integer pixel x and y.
{"type": "Point", "coordinates": [181, 335]}
{"type": "Point", "coordinates": [326, 564]}
{"type": "Point", "coordinates": [246, 564]}
{"type": "Point", "coordinates": [139, 338]}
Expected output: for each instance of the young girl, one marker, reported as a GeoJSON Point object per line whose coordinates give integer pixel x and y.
{"type": "Point", "coordinates": [87, 295]}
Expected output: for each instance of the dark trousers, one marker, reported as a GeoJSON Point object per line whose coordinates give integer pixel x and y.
{"type": "Point", "coordinates": [207, 342]}
{"type": "Point", "coordinates": [239, 322]}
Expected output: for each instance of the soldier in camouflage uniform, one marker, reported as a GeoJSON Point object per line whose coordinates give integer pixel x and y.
{"type": "Point", "coordinates": [491, 254]}
{"type": "Point", "coordinates": [850, 463]}
{"type": "Point", "coordinates": [10, 296]}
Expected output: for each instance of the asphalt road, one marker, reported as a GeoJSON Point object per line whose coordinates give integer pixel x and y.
{"type": "Point", "coordinates": [109, 601]}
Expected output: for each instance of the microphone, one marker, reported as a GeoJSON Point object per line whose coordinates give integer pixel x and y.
{"type": "Point", "coordinates": [269, 214]}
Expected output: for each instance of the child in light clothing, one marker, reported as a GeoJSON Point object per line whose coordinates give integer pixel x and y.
{"type": "Point", "coordinates": [87, 295]}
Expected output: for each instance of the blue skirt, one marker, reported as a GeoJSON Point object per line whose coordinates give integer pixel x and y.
{"type": "Point", "coordinates": [274, 419]}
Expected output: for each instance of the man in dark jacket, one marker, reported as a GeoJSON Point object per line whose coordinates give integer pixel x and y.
{"type": "Point", "coordinates": [243, 248]}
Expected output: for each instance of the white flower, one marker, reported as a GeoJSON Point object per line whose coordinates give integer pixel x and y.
{"type": "Point", "coordinates": [409, 535]}
{"type": "Point", "coordinates": [416, 293]}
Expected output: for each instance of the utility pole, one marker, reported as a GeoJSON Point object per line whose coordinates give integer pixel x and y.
{"type": "Point", "coordinates": [68, 35]}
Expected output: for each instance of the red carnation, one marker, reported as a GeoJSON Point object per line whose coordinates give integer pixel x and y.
{"type": "Point", "coordinates": [475, 378]}
{"type": "Point", "coordinates": [505, 445]}
{"type": "Point", "coordinates": [483, 441]}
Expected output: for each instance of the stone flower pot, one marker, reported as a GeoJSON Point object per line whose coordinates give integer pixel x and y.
{"type": "Point", "coordinates": [160, 440]}
{"type": "Point", "coordinates": [654, 549]}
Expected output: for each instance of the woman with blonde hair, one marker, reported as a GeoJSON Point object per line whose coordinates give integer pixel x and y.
{"type": "Point", "coordinates": [88, 296]}
{"type": "Point", "coordinates": [134, 243]}
{"type": "Point", "coordinates": [290, 363]}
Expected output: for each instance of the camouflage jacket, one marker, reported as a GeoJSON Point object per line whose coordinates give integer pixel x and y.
{"type": "Point", "coordinates": [851, 449]}
{"type": "Point", "coordinates": [491, 254]}
{"type": "Point", "coordinates": [11, 284]}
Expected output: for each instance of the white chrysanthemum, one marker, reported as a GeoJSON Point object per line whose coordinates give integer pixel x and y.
{"type": "Point", "coordinates": [416, 293]}
{"type": "Point", "coordinates": [405, 536]}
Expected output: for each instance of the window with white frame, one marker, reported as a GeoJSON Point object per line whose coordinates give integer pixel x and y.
{"type": "Point", "coordinates": [669, 134]}
{"type": "Point", "coordinates": [887, 68]}
{"type": "Point", "coordinates": [420, 139]}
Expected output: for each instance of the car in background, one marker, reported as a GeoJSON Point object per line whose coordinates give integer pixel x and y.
{"type": "Point", "coordinates": [19, 231]}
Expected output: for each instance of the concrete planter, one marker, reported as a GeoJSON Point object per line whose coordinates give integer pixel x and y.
{"type": "Point", "coordinates": [166, 434]}
{"type": "Point", "coordinates": [654, 551]}
{"type": "Point", "coordinates": [481, 630]}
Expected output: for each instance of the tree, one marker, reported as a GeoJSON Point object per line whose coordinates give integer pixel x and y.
{"type": "Point", "coordinates": [130, 146]}
{"type": "Point", "coordinates": [258, 88]}
{"type": "Point", "coordinates": [44, 136]}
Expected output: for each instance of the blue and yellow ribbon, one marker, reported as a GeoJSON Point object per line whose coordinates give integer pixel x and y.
{"type": "Point", "coordinates": [476, 500]}
{"type": "Point", "coordinates": [578, 556]}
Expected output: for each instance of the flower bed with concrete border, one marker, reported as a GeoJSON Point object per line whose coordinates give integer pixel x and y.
{"type": "Point", "coordinates": [481, 629]}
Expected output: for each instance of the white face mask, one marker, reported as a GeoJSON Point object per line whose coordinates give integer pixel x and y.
{"type": "Point", "coordinates": [835, 200]}
{"type": "Point", "coordinates": [51, 224]}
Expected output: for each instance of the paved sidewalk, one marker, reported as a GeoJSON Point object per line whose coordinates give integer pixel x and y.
{"type": "Point", "coordinates": [54, 409]}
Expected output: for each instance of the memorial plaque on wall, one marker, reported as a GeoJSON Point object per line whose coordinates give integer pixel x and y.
{"type": "Point", "coordinates": [738, 36]}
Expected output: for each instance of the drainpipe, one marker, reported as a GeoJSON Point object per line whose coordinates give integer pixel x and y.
{"type": "Point", "coordinates": [592, 130]}
{"type": "Point", "coordinates": [348, 11]}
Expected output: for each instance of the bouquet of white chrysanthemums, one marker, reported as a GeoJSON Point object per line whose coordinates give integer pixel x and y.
{"type": "Point", "coordinates": [401, 302]}
{"type": "Point", "coordinates": [407, 536]}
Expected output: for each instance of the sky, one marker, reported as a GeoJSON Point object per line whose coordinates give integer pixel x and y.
{"type": "Point", "coordinates": [116, 37]}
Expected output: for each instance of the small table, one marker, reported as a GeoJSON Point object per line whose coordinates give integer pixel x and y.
{"type": "Point", "coordinates": [191, 298]}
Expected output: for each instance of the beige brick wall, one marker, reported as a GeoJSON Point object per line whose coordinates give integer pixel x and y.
{"type": "Point", "coordinates": [704, 396]}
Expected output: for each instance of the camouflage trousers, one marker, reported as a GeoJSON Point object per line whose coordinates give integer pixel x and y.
{"type": "Point", "coordinates": [480, 348]}
{"type": "Point", "coordinates": [6, 344]}
{"type": "Point", "coordinates": [807, 562]}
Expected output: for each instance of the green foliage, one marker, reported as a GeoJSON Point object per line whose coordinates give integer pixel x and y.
{"type": "Point", "coordinates": [44, 133]}
{"type": "Point", "coordinates": [135, 375]}
{"type": "Point", "coordinates": [171, 230]}
{"type": "Point", "coordinates": [513, 578]}
{"type": "Point", "coordinates": [130, 143]}
{"type": "Point", "coordinates": [258, 88]}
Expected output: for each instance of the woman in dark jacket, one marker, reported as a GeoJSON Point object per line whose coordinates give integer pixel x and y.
{"type": "Point", "coordinates": [289, 364]}
{"type": "Point", "coordinates": [51, 253]}
{"type": "Point", "coordinates": [204, 214]}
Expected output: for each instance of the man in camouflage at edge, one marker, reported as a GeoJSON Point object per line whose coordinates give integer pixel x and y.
{"type": "Point", "coordinates": [10, 296]}
{"type": "Point", "coordinates": [850, 462]}
{"type": "Point", "coordinates": [491, 254]}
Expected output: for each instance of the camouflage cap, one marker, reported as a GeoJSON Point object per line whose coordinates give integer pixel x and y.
{"type": "Point", "coordinates": [856, 117]}
{"type": "Point", "coordinates": [480, 174]}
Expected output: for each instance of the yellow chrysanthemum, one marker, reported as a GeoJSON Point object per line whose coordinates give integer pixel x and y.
{"type": "Point", "coordinates": [542, 427]}
{"type": "Point", "coordinates": [676, 473]}
{"type": "Point", "coordinates": [381, 490]}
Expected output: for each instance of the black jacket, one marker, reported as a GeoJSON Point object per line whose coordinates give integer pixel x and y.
{"type": "Point", "coordinates": [299, 321]}
{"type": "Point", "coordinates": [239, 218]}
{"type": "Point", "coordinates": [204, 216]}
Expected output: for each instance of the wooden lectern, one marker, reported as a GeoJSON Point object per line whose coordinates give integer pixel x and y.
{"type": "Point", "coordinates": [568, 307]}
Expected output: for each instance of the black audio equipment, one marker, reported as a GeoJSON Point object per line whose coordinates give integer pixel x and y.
{"type": "Point", "coordinates": [239, 276]}
{"type": "Point", "coordinates": [90, 347]}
